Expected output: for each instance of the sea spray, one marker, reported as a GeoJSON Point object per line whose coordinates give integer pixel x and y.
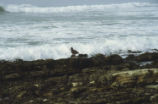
{"type": "Point", "coordinates": [31, 32]}
{"type": "Point", "coordinates": [26, 8]}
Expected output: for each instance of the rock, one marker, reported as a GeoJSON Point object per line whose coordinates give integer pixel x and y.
{"type": "Point", "coordinates": [130, 51]}
{"type": "Point", "coordinates": [114, 59]}
{"type": "Point", "coordinates": [98, 60]}
{"type": "Point", "coordinates": [96, 80]}
{"type": "Point", "coordinates": [152, 86]}
{"type": "Point", "coordinates": [37, 85]}
{"type": "Point", "coordinates": [50, 64]}
{"type": "Point", "coordinates": [21, 94]}
{"type": "Point", "coordinates": [38, 73]}
{"type": "Point", "coordinates": [154, 64]}
{"type": "Point", "coordinates": [154, 99]}
{"type": "Point", "coordinates": [92, 82]}
{"type": "Point", "coordinates": [80, 63]}
{"type": "Point", "coordinates": [75, 84]}
{"type": "Point", "coordinates": [48, 94]}
{"type": "Point", "coordinates": [31, 101]}
{"type": "Point", "coordinates": [76, 91]}
{"type": "Point", "coordinates": [12, 76]}
{"type": "Point", "coordinates": [131, 57]}
{"type": "Point", "coordinates": [83, 56]}
{"type": "Point", "coordinates": [147, 57]}
{"type": "Point", "coordinates": [135, 77]}
{"type": "Point", "coordinates": [45, 100]}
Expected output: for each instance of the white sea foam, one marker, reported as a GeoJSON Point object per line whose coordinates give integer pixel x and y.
{"type": "Point", "coordinates": [105, 29]}
{"type": "Point", "coordinates": [63, 50]}
{"type": "Point", "coordinates": [33, 41]}
{"type": "Point", "coordinates": [26, 8]}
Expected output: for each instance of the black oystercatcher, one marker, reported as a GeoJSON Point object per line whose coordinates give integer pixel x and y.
{"type": "Point", "coordinates": [74, 52]}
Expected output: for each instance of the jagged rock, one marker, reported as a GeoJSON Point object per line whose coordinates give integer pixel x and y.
{"type": "Point", "coordinates": [92, 82]}
{"type": "Point", "coordinates": [135, 77]}
{"type": "Point", "coordinates": [147, 57]}
{"type": "Point", "coordinates": [21, 94]}
{"type": "Point", "coordinates": [76, 91]}
{"type": "Point", "coordinates": [75, 84]}
{"type": "Point", "coordinates": [152, 86]}
{"type": "Point", "coordinates": [99, 79]}
{"type": "Point", "coordinates": [154, 99]}
{"type": "Point", "coordinates": [98, 60]}
{"type": "Point", "coordinates": [45, 100]}
{"type": "Point", "coordinates": [38, 73]}
{"type": "Point", "coordinates": [154, 64]}
{"type": "Point", "coordinates": [83, 56]}
{"type": "Point", "coordinates": [12, 76]}
{"type": "Point", "coordinates": [131, 57]}
{"type": "Point", "coordinates": [80, 63]}
{"type": "Point", "coordinates": [48, 94]}
{"type": "Point", "coordinates": [114, 59]}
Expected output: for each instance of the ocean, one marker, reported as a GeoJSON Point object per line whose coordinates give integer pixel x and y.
{"type": "Point", "coordinates": [31, 32]}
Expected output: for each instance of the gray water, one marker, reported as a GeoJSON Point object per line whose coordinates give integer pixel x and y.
{"type": "Point", "coordinates": [38, 30]}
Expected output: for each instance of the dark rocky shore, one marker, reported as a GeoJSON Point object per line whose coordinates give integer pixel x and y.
{"type": "Point", "coordinates": [99, 79]}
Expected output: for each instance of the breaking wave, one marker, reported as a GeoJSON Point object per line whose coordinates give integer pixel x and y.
{"type": "Point", "coordinates": [63, 50]}
{"type": "Point", "coordinates": [27, 8]}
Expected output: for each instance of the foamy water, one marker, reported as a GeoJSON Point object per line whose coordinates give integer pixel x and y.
{"type": "Point", "coordinates": [81, 8]}
{"type": "Point", "coordinates": [31, 32]}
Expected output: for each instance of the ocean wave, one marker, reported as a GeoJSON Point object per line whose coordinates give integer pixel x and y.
{"type": "Point", "coordinates": [26, 8]}
{"type": "Point", "coordinates": [57, 51]}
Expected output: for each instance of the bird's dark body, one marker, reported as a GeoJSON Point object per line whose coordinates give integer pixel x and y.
{"type": "Point", "coordinates": [74, 52]}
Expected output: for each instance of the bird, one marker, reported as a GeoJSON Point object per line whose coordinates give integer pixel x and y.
{"type": "Point", "coordinates": [73, 51]}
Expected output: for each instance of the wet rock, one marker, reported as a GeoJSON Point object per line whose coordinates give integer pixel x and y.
{"type": "Point", "coordinates": [12, 76]}
{"type": "Point", "coordinates": [131, 57]}
{"type": "Point", "coordinates": [50, 64]}
{"type": "Point", "coordinates": [154, 64]}
{"type": "Point", "coordinates": [132, 65]}
{"type": "Point", "coordinates": [75, 63]}
{"type": "Point", "coordinates": [76, 91]}
{"type": "Point", "coordinates": [83, 56]}
{"type": "Point", "coordinates": [48, 94]}
{"type": "Point", "coordinates": [130, 51]}
{"type": "Point", "coordinates": [21, 94]}
{"type": "Point", "coordinates": [114, 59]}
{"type": "Point", "coordinates": [31, 101]}
{"type": "Point", "coordinates": [147, 57]}
{"type": "Point", "coordinates": [76, 84]}
{"type": "Point", "coordinates": [80, 63]}
{"type": "Point", "coordinates": [92, 82]}
{"type": "Point", "coordinates": [152, 86]}
{"type": "Point", "coordinates": [45, 100]}
{"type": "Point", "coordinates": [99, 60]}
{"type": "Point", "coordinates": [135, 77]}
{"type": "Point", "coordinates": [38, 73]}
{"type": "Point", "coordinates": [154, 99]}
{"type": "Point", "coordinates": [96, 80]}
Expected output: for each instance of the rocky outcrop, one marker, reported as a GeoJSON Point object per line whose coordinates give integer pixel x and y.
{"type": "Point", "coordinates": [135, 77]}
{"type": "Point", "coordinates": [96, 80]}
